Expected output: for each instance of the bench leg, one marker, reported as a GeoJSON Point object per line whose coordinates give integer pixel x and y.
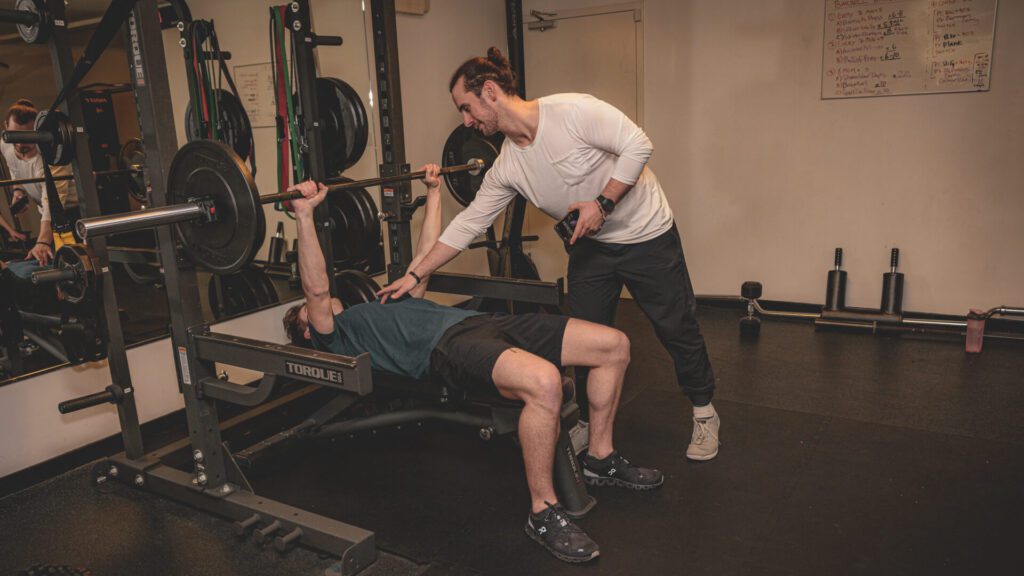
{"type": "Point", "coordinates": [568, 476]}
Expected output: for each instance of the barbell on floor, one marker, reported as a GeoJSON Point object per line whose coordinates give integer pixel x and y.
{"type": "Point", "coordinates": [214, 203]}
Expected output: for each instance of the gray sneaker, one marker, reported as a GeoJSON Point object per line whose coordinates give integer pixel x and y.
{"type": "Point", "coordinates": [704, 442]}
{"type": "Point", "coordinates": [614, 470]}
{"type": "Point", "coordinates": [580, 437]}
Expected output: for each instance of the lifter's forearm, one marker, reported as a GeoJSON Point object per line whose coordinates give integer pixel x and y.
{"type": "Point", "coordinates": [312, 266]}
{"type": "Point", "coordinates": [430, 230]}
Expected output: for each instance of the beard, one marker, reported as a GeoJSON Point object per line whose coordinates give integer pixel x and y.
{"type": "Point", "coordinates": [487, 123]}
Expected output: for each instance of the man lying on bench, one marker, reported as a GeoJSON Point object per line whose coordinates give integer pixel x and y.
{"type": "Point", "coordinates": [519, 355]}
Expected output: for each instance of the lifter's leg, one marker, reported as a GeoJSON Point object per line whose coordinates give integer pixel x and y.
{"type": "Point", "coordinates": [537, 383]}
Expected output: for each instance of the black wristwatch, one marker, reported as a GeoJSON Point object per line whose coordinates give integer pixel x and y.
{"type": "Point", "coordinates": [606, 204]}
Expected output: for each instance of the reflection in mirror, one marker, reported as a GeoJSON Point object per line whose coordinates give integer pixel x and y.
{"type": "Point", "coordinates": [42, 328]}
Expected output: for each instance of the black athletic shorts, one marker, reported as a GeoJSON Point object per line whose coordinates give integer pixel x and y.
{"type": "Point", "coordinates": [465, 356]}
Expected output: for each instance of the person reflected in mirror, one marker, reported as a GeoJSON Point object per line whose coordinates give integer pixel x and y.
{"type": "Point", "coordinates": [25, 162]}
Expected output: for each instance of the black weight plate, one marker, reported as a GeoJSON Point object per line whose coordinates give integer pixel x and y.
{"type": "Point", "coordinates": [133, 157]}
{"type": "Point", "coordinates": [343, 122]}
{"type": "Point", "coordinates": [371, 221]}
{"type": "Point", "coordinates": [62, 151]}
{"type": "Point", "coordinates": [35, 33]}
{"type": "Point", "coordinates": [77, 257]}
{"type": "Point", "coordinates": [346, 228]}
{"type": "Point", "coordinates": [235, 129]}
{"type": "Point", "coordinates": [239, 295]}
{"type": "Point", "coordinates": [355, 227]}
{"type": "Point", "coordinates": [463, 145]}
{"type": "Point", "coordinates": [355, 287]}
{"type": "Point", "coordinates": [209, 169]}
{"type": "Point", "coordinates": [262, 285]}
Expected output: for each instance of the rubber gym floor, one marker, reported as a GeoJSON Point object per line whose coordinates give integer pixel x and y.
{"type": "Point", "coordinates": [842, 454]}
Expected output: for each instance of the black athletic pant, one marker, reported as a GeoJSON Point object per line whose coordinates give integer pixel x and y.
{"type": "Point", "coordinates": [655, 274]}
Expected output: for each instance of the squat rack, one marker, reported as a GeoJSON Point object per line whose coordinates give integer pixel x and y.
{"type": "Point", "coordinates": [216, 483]}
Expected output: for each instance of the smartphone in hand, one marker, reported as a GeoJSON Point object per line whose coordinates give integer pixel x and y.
{"type": "Point", "coordinates": [566, 226]}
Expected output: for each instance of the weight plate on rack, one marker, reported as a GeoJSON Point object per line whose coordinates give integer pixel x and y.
{"type": "Point", "coordinates": [344, 124]}
{"type": "Point", "coordinates": [234, 128]}
{"type": "Point", "coordinates": [463, 145]}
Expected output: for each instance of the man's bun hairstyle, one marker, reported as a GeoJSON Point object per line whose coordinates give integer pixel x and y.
{"type": "Point", "coordinates": [23, 111]}
{"type": "Point", "coordinates": [475, 71]}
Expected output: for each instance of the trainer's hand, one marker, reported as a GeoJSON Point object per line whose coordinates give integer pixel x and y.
{"type": "Point", "coordinates": [41, 252]}
{"type": "Point", "coordinates": [590, 221]}
{"type": "Point", "coordinates": [397, 289]}
{"type": "Point", "coordinates": [313, 193]}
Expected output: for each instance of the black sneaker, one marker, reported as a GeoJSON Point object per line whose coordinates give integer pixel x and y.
{"type": "Point", "coordinates": [614, 470]}
{"type": "Point", "coordinates": [552, 529]}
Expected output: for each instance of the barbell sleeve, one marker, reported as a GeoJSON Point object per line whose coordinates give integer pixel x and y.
{"type": "Point", "coordinates": [27, 137]}
{"type": "Point", "coordinates": [327, 40]}
{"type": "Point", "coordinates": [140, 220]}
{"type": "Point", "coordinates": [23, 17]}
{"type": "Point", "coordinates": [54, 276]}
{"type": "Point", "coordinates": [112, 394]}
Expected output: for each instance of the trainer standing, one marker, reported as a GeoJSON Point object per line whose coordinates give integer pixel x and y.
{"type": "Point", "coordinates": [568, 152]}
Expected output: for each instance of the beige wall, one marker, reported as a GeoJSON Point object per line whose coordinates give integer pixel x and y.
{"type": "Point", "coordinates": [430, 48]}
{"type": "Point", "coordinates": [766, 179]}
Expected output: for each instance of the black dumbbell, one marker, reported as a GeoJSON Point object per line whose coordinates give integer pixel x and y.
{"type": "Point", "coordinates": [750, 325]}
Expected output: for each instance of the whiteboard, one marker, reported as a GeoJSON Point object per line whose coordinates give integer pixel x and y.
{"type": "Point", "coordinates": [890, 47]}
{"type": "Point", "coordinates": [255, 83]}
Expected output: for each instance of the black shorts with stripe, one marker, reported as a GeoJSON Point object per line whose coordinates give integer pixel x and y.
{"type": "Point", "coordinates": [465, 356]}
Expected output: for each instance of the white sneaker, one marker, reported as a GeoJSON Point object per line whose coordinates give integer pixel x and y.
{"type": "Point", "coordinates": [704, 442]}
{"type": "Point", "coordinates": [579, 435]}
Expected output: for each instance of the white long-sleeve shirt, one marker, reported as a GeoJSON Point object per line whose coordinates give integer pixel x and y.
{"type": "Point", "coordinates": [581, 143]}
{"type": "Point", "coordinates": [33, 168]}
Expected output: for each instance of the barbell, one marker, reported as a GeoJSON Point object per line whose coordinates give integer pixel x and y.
{"type": "Point", "coordinates": [216, 209]}
{"type": "Point", "coordinates": [63, 177]}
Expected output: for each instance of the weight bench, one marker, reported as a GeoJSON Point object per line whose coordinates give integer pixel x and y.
{"type": "Point", "coordinates": [486, 410]}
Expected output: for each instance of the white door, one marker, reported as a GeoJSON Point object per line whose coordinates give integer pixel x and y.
{"type": "Point", "coordinates": [596, 51]}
